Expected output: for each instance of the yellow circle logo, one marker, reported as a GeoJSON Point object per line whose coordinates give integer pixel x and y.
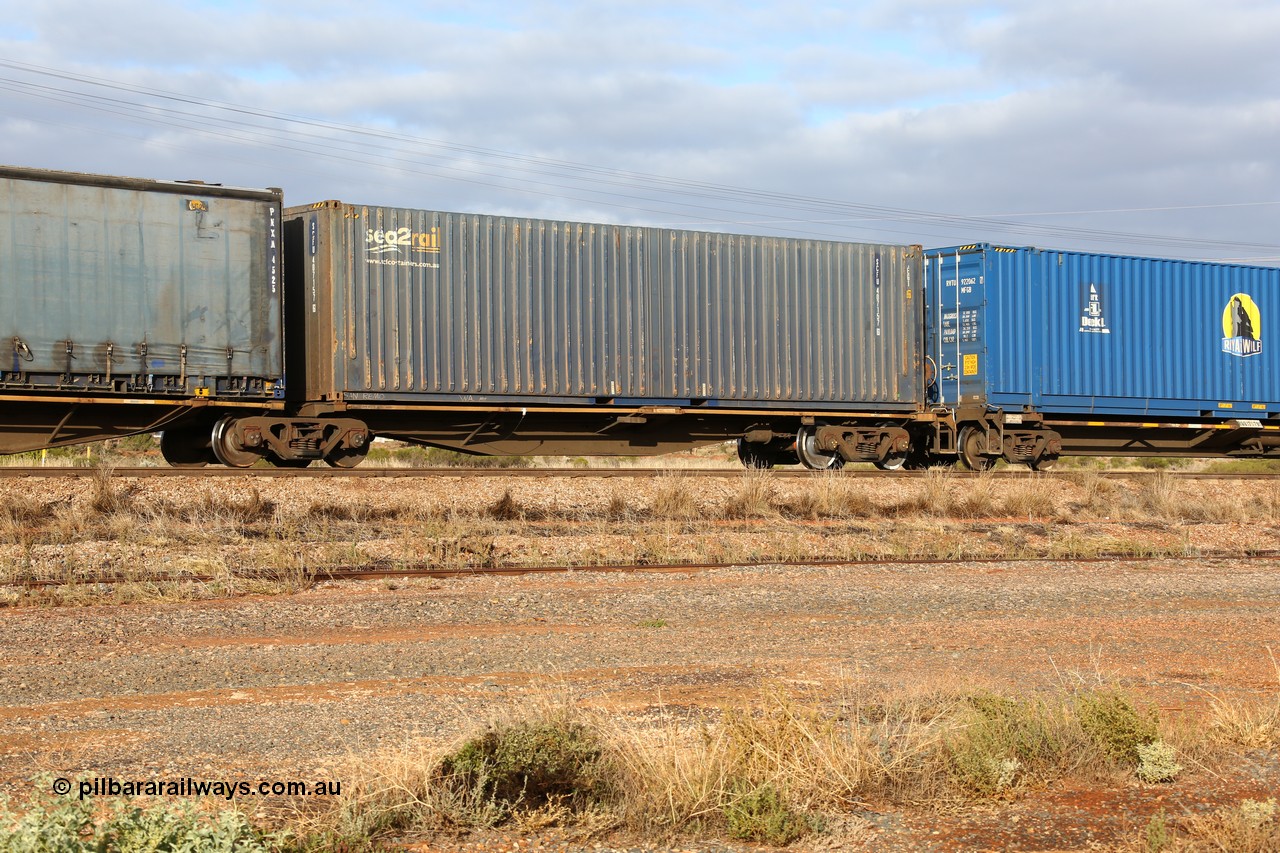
{"type": "Point", "coordinates": [1241, 318]}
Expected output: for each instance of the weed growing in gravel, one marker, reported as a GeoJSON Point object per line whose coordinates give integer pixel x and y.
{"type": "Point", "coordinates": [71, 825]}
{"type": "Point", "coordinates": [772, 771]}
{"type": "Point", "coordinates": [674, 500]}
{"type": "Point", "coordinates": [1251, 722]}
{"type": "Point", "coordinates": [256, 531]}
{"type": "Point", "coordinates": [753, 499]}
{"type": "Point", "coordinates": [1252, 826]}
{"type": "Point", "coordinates": [830, 495]}
{"type": "Point", "coordinates": [108, 497]}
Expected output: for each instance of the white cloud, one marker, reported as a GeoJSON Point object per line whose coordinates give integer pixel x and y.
{"type": "Point", "coordinates": [938, 105]}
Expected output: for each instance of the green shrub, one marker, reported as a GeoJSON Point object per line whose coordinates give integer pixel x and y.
{"type": "Point", "coordinates": [1157, 832]}
{"type": "Point", "coordinates": [525, 766]}
{"type": "Point", "coordinates": [1115, 725]}
{"type": "Point", "coordinates": [759, 813]}
{"type": "Point", "coordinates": [1002, 740]}
{"type": "Point", "coordinates": [67, 825]}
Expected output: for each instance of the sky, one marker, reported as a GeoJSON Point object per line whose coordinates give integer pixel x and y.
{"type": "Point", "coordinates": [1147, 127]}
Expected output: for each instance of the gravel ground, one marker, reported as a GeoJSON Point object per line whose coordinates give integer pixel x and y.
{"type": "Point", "coordinates": [294, 686]}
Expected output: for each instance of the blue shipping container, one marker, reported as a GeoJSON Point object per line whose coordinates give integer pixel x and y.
{"type": "Point", "coordinates": [1077, 333]}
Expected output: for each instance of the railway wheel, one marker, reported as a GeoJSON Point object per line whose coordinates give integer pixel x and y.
{"type": "Point", "coordinates": [1045, 462]}
{"type": "Point", "coordinates": [754, 455]}
{"type": "Point", "coordinates": [226, 449]}
{"type": "Point", "coordinates": [813, 457]}
{"type": "Point", "coordinates": [894, 460]}
{"type": "Point", "coordinates": [186, 448]}
{"type": "Point", "coordinates": [972, 441]}
{"type": "Point", "coordinates": [347, 457]}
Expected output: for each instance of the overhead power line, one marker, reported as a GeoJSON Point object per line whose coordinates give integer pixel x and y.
{"type": "Point", "coordinates": [693, 201]}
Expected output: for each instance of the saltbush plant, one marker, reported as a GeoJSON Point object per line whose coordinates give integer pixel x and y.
{"type": "Point", "coordinates": [527, 765]}
{"type": "Point", "coordinates": [49, 824]}
{"type": "Point", "coordinates": [1115, 725]}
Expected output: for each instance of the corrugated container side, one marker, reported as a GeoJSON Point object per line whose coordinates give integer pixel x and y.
{"type": "Point", "coordinates": [425, 305]}
{"type": "Point", "coordinates": [1081, 332]}
{"type": "Point", "coordinates": [165, 280]}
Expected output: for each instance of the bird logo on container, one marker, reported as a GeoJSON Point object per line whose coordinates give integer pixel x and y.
{"type": "Point", "coordinates": [1241, 326]}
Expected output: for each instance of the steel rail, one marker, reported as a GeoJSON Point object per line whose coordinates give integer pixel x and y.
{"type": "Point", "coordinates": [56, 471]}
{"type": "Point", "coordinates": [376, 572]}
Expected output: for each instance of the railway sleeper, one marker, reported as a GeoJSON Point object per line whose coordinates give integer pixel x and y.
{"type": "Point", "coordinates": [291, 442]}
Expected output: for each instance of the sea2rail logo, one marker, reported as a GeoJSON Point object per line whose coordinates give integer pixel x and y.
{"type": "Point", "coordinates": [392, 240]}
{"type": "Point", "coordinates": [1241, 326]}
{"type": "Point", "coordinates": [388, 246]}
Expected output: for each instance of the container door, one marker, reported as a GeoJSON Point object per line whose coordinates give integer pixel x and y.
{"type": "Point", "coordinates": [957, 305]}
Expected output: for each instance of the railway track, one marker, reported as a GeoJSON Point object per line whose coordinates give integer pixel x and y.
{"type": "Point", "coordinates": [52, 471]}
{"type": "Point", "coordinates": [375, 572]}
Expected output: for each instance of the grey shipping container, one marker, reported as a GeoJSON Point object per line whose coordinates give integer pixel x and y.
{"type": "Point", "coordinates": [405, 306]}
{"type": "Point", "coordinates": [120, 286]}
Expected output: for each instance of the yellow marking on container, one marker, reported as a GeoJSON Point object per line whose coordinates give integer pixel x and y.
{"type": "Point", "coordinates": [1096, 423]}
{"type": "Point", "coordinates": [1226, 405]}
{"type": "Point", "coordinates": [971, 364]}
{"type": "Point", "coordinates": [1260, 406]}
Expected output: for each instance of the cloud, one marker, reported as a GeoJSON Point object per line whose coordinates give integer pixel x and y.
{"type": "Point", "coordinates": [932, 105]}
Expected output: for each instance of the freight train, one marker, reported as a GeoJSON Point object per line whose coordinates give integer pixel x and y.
{"type": "Point", "coordinates": [242, 330]}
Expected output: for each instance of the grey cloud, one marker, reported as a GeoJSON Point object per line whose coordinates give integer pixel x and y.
{"type": "Point", "coordinates": [923, 104]}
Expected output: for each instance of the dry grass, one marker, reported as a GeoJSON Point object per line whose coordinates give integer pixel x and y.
{"type": "Point", "coordinates": [754, 498]}
{"type": "Point", "coordinates": [1253, 721]}
{"type": "Point", "coordinates": [674, 499]}
{"type": "Point", "coordinates": [769, 771]}
{"type": "Point", "coordinates": [106, 522]}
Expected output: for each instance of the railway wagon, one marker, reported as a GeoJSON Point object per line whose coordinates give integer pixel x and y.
{"type": "Point", "coordinates": [134, 305]}
{"type": "Point", "coordinates": [500, 335]}
{"type": "Point", "coordinates": [1035, 353]}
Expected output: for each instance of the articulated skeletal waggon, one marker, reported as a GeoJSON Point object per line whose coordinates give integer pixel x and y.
{"type": "Point", "coordinates": [245, 331]}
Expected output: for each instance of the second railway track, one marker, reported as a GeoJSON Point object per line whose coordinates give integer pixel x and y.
{"type": "Point", "coordinates": [375, 572]}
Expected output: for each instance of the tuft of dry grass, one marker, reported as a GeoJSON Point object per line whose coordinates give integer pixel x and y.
{"type": "Point", "coordinates": [1250, 826]}
{"type": "Point", "coordinates": [831, 495]}
{"type": "Point", "coordinates": [107, 496]}
{"type": "Point", "coordinates": [1250, 722]}
{"type": "Point", "coordinates": [673, 499]}
{"type": "Point", "coordinates": [754, 497]}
